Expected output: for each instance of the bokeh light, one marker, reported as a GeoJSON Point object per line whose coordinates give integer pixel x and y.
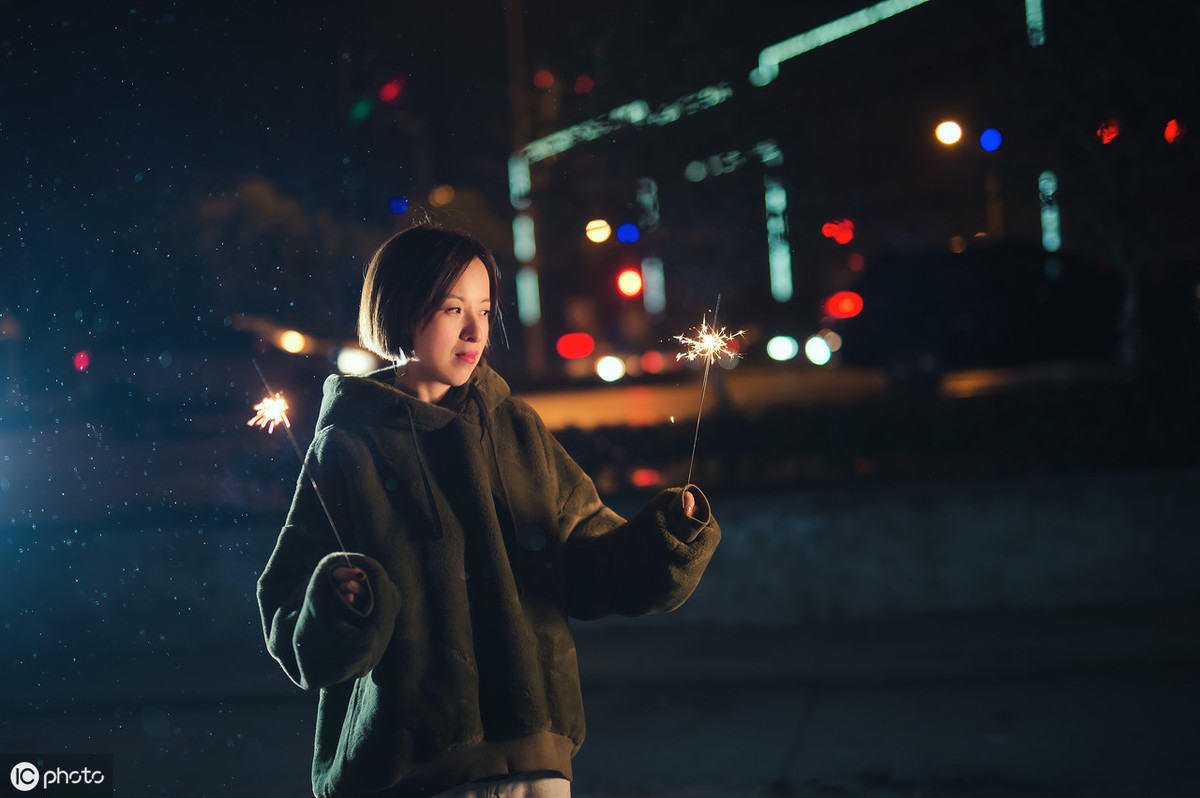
{"type": "Point", "coordinates": [628, 233]}
{"type": "Point", "coordinates": [598, 231]}
{"type": "Point", "coordinates": [543, 78]}
{"type": "Point", "coordinates": [841, 230]}
{"type": "Point", "coordinates": [832, 339]}
{"type": "Point", "coordinates": [610, 368]}
{"type": "Point", "coordinates": [990, 139]}
{"type": "Point", "coordinates": [843, 305]}
{"type": "Point", "coordinates": [782, 347]}
{"type": "Point", "coordinates": [1173, 131]}
{"type": "Point", "coordinates": [361, 110]}
{"type": "Point", "coordinates": [584, 84]}
{"type": "Point", "coordinates": [391, 91]}
{"type": "Point", "coordinates": [645, 477]}
{"type": "Point", "coordinates": [653, 362]}
{"type": "Point", "coordinates": [292, 341]}
{"type": "Point", "coordinates": [575, 345]}
{"type": "Point", "coordinates": [442, 195]}
{"type": "Point", "coordinates": [1108, 132]}
{"type": "Point", "coordinates": [629, 282]}
{"type": "Point", "coordinates": [352, 360]}
{"type": "Point", "coordinates": [817, 351]}
{"type": "Point", "coordinates": [948, 132]}
{"type": "Point", "coordinates": [82, 360]}
{"type": "Point", "coordinates": [398, 205]}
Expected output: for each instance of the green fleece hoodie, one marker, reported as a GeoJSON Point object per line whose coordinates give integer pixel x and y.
{"type": "Point", "coordinates": [479, 535]}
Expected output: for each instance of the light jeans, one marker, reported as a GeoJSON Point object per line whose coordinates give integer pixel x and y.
{"type": "Point", "coordinates": [522, 785]}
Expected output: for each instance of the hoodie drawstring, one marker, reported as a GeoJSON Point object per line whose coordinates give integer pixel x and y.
{"type": "Point", "coordinates": [511, 542]}
{"type": "Point", "coordinates": [412, 427]}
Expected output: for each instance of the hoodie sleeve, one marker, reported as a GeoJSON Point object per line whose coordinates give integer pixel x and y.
{"type": "Point", "coordinates": [318, 638]}
{"type": "Point", "coordinates": [633, 567]}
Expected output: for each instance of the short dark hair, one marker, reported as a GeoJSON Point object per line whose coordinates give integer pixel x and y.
{"type": "Point", "coordinates": [407, 280]}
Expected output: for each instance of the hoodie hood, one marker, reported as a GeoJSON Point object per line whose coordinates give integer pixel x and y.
{"type": "Point", "coordinates": [375, 400]}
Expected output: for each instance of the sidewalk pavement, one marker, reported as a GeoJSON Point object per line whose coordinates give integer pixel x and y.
{"type": "Point", "coordinates": [1098, 702]}
{"type": "Point", "coordinates": [1090, 702]}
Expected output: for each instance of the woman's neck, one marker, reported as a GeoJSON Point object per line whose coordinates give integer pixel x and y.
{"type": "Point", "coordinates": [434, 393]}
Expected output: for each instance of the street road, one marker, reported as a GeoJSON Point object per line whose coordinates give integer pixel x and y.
{"type": "Point", "coordinates": [752, 389]}
{"type": "Point", "coordinates": [748, 389]}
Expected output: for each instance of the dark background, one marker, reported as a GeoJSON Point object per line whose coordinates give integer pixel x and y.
{"type": "Point", "coordinates": [973, 578]}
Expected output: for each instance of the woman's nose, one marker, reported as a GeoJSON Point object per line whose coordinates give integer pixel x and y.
{"type": "Point", "coordinates": [470, 330]}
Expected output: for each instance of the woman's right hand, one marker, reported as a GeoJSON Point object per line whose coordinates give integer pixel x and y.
{"type": "Point", "coordinates": [351, 584]}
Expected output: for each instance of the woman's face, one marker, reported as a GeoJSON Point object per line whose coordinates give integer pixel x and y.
{"type": "Point", "coordinates": [448, 347]}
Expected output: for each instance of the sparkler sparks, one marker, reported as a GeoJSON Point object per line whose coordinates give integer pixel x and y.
{"type": "Point", "coordinates": [272, 410]}
{"type": "Point", "coordinates": [709, 343]}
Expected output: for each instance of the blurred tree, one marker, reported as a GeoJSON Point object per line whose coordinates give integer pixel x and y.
{"type": "Point", "coordinates": [255, 249]}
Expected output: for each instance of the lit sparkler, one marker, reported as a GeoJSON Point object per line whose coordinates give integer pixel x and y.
{"type": "Point", "coordinates": [271, 411]}
{"type": "Point", "coordinates": [709, 344]}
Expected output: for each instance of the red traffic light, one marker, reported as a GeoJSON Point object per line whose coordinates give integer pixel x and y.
{"type": "Point", "coordinates": [629, 282]}
{"type": "Point", "coordinates": [843, 305]}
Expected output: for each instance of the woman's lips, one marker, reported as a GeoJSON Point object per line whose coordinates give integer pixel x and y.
{"type": "Point", "coordinates": [468, 357]}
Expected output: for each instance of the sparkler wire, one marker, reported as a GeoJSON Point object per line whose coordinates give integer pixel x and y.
{"type": "Point", "coordinates": [304, 471]}
{"type": "Point", "coordinates": [703, 388]}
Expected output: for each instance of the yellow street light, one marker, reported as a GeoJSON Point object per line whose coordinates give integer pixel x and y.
{"type": "Point", "coordinates": [598, 231]}
{"type": "Point", "coordinates": [948, 132]}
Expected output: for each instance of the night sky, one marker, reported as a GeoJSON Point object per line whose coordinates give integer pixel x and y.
{"type": "Point", "coordinates": [203, 157]}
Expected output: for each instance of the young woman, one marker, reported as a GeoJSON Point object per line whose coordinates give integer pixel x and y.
{"type": "Point", "coordinates": [440, 643]}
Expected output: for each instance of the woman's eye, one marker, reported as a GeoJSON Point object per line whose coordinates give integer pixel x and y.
{"type": "Point", "coordinates": [454, 310]}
